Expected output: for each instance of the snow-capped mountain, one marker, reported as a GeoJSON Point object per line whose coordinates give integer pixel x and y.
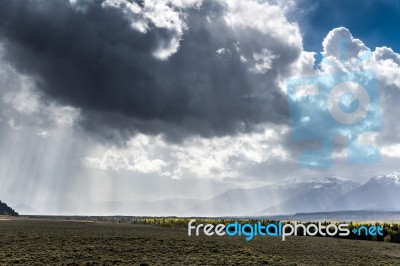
{"type": "Point", "coordinates": [321, 198]}
{"type": "Point", "coordinates": [389, 179]}
{"type": "Point", "coordinates": [380, 193]}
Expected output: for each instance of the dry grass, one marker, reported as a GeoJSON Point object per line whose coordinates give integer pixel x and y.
{"type": "Point", "coordinates": [40, 241]}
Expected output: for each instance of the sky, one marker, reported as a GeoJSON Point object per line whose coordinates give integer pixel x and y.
{"type": "Point", "coordinates": [116, 100]}
{"type": "Point", "coordinates": [374, 22]}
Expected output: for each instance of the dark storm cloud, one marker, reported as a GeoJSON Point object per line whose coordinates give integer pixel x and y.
{"type": "Point", "coordinates": [91, 58]}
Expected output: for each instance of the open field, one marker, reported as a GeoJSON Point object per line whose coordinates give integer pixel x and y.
{"type": "Point", "coordinates": [48, 241]}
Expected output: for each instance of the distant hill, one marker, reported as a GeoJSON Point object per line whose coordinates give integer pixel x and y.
{"type": "Point", "coordinates": [5, 210]}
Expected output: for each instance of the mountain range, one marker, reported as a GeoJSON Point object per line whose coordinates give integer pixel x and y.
{"type": "Point", "coordinates": [318, 195]}
{"type": "Point", "coordinates": [328, 194]}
